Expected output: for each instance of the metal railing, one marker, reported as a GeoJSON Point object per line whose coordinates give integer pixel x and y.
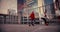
{"type": "Point", "coordinates": [9, 19]}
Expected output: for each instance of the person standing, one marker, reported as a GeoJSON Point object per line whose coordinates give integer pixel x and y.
{"type": "Point", "coordinates": [32, 18]}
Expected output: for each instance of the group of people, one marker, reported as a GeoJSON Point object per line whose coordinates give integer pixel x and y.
{"type": "Point", "coordinates": [32, 18]}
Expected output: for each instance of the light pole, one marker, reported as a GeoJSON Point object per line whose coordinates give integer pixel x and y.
{"type": "Point", "coordinates": [9, 15]}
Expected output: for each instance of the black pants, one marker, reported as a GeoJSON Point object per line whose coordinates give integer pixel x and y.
{"type": "Point", "coordinates": [44, 20]}
{"type": "Point", "coordinates": [31, 23]}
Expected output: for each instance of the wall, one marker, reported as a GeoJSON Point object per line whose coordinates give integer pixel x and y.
{"type": "Point", "coordinates": [8, 4]}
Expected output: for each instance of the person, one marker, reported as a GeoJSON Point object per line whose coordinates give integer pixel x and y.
{"type": "Point", "coordinates": [32, 18]}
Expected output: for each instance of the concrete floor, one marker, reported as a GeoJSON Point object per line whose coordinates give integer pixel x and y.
{"type": "Point", "coordinates": [26, 28]}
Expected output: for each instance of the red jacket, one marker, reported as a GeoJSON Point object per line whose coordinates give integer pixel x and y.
{"type": "Point", "coordinates": [32, 16]}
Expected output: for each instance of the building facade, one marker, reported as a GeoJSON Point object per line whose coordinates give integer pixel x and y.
{"type": "Point", "coordinates": [8, 11]}
{"type": "Point", "coordinates": [49, 8]}
{"type": "Point", "coordinates": [23, 8]}
{"type": "Point", "coordinates": [57, 7]}
{"type": "Point", "coordinates": [40, 8]}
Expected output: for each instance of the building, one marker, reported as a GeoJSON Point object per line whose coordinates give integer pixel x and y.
{"type": "Point", "coordinates": [40, 8]}
{"type": "Point", "coordinates": [57, 7]}
{"type": "Point", "coordinates": [49, 8]}
{"type": "Point", "coordinates": [23, 8]}
{"type": "Point", "coordinates": [8, 11]}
